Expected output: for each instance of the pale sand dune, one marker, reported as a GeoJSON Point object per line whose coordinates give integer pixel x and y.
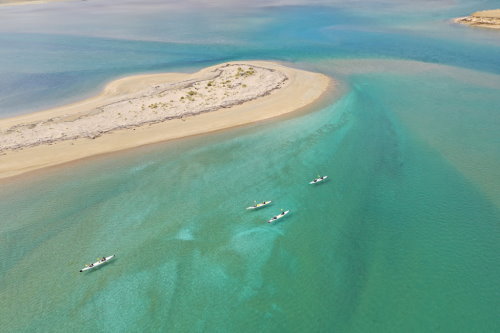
{"type": "Point", "coordinates": [145, 109]}
{"type": "Point", "coordinates": [484, 19]}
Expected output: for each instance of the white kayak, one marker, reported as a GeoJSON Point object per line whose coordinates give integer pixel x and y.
{"type": "Point", "coordinates": [277, 217]}
{"type": "Point", "coordinates": [98, 263]}
{"type": "Point", "coordinates": [318, 180]}
{"type": "Point", "coordinates": [259, 205]}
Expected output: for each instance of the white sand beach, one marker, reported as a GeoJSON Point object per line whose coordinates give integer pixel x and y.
{"type": "Point", "coordinates": [145, 109]}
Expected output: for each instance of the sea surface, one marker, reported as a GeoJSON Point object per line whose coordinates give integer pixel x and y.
{"type": "Point", "coordinates": [403, 237]}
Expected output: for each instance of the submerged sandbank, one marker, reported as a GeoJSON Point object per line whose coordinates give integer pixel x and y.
{"type": "Point", "coordinates": [484, 19]}
{"type": "Point", "coordinates": [145, 109]}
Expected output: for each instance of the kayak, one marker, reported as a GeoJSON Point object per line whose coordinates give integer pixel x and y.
{"type": "Point", "coordinates": [318, 180]}
{"type": "Point", "coordinates": [97, 263]}
{"type": "Point", "coordinates": [277, 217]}
{"type": "Point", "coordinates": [260, 205]}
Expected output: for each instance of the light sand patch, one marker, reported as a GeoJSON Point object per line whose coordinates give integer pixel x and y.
{"type": "Point", "coordinates": [144, 109]}
{"type": "Point", "coordinates": [484, 19]}
{"type": "Point", "coordinates": [222, 87]}
{"type": "Point", "coordinates": [25, 2]}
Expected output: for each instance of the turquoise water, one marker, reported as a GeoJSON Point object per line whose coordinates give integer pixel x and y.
{"type": "Point", "coordinates": [403, 238]}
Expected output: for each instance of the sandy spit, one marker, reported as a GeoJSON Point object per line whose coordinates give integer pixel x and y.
{"type": "Point", "coordinates": [483, 19]}
{"type": "Point", "coordinates": [145, 109]}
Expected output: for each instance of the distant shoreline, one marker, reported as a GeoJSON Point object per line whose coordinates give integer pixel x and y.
{"type": "Point", "coordinates": [25, 2]}
{"type": "Point", "coordinates": [483, 19]}
{"type": "Point", "coordinates": [145, 109]}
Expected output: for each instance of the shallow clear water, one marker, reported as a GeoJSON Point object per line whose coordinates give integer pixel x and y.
{"type": "Point", "coordinates": [403, 237]}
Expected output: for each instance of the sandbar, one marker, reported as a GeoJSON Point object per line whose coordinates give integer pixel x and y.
{"type": "Point", "coordinates": [145, 109]}
{"type": "Point", "coordinates": [483, 19]}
